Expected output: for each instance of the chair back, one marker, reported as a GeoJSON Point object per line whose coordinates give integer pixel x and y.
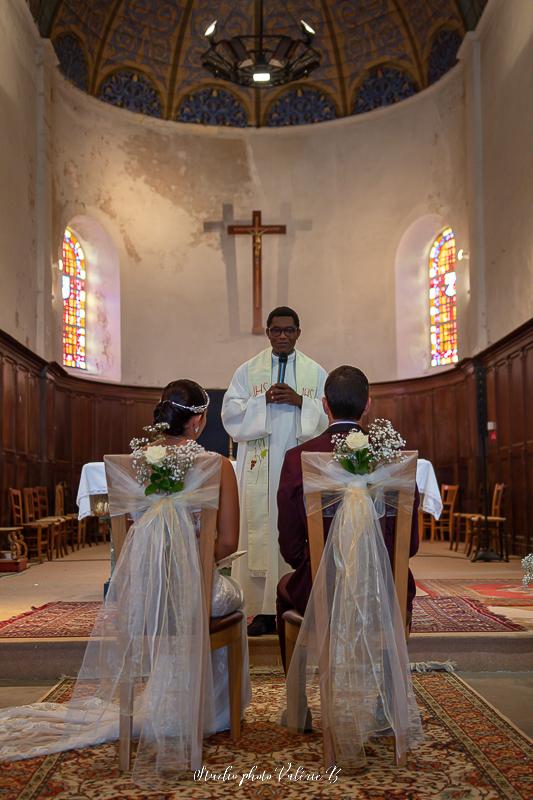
{"type": "Point", "coordinates": [497, 499]}
{"type": "Point", "coordinates": [41, 501]}
{"type": "Point", "coordinates": [15, 503]}
{"type": "Point", "coordinates": [120, 525]}
{"type": "Point", "coordinates": [402, 540]}
{"type": "Point", "coordinates": [315, 527]}
{"type": "Point", "coordinates": [448, 493]}
{"type": "Point", "coordinates": [59, 505]}
{"type": "Point", "coordinates": [29, 505]}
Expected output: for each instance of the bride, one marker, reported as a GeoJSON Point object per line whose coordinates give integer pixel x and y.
{"type": "Point", "coordinates": [149, 631]}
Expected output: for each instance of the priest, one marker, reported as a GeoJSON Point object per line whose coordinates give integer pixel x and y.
{"type": "Point", "coordinates": [273, 403]}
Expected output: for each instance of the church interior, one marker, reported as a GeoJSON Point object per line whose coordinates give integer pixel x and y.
{"type": "Point", "coordinates": [153, 209]}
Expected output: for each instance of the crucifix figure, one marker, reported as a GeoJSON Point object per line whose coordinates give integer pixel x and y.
{"type": "Point", "coordinates": [257, 230]}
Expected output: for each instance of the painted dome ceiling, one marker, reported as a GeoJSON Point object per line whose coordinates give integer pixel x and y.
{"type": "Point", "coordinates": [145, 55]}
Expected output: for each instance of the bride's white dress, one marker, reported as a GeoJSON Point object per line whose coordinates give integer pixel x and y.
{"type": "Point", "coordinates": [149, 631]}
{"type": "Point", "coordinates": [227, 597]}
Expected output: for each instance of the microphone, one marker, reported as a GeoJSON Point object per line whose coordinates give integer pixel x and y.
{"type": "Point", "coordinates": [282, 366]}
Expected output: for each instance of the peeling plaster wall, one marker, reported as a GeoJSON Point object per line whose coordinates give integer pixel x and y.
{"type": "Point", "coordinates": [507, 67]}
{"type": "Point", "coordinates": [347, 191]}
{"type": "Point", "coordinates": [18, 153]}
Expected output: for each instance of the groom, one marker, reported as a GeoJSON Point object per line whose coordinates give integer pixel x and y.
{"type": "Point", "coordinates": [274, 402]}
{"type": "Point", "coordinates": [346, 401]}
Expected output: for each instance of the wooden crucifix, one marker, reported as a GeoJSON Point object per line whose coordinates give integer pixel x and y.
{"type": "Point", "coordinates": [257, 230]}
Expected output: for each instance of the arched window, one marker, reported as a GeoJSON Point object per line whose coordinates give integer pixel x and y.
{"type": "Point", "coordinates": [73, 277]}
{"type": "Point", "coordinates": [88, 313]}
{"type": "Point", "coordinates": [443, 299]}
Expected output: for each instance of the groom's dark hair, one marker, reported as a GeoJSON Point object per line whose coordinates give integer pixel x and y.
{"type": "Point", "coordinates": [346, 391]}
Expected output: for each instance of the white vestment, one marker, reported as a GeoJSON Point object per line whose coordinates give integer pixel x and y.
{"type": "Point", "coordinates": [248, 418]}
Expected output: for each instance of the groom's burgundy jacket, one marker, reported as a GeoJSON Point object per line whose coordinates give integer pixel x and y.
{"type": "Point", "coordinates": [292, 521]}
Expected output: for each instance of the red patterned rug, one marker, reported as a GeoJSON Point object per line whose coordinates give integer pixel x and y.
{"type": "Point", "coordinates": [458, 615]}
{"type": "Point", "coordinates": [52, 621]}
{"type": "Point", "coordinates": [430, 615]}
{"type": "Point", "coordinates": [470, 753]}
{"type": "Point", "coordinates": [510, 592]}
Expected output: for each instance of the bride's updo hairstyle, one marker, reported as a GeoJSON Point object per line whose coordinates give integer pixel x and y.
{"type": "Point", "coordinates": [180, 401]}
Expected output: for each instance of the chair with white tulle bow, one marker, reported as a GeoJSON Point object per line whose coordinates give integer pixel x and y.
{"type": "Point", "coordinates": [223, 631]}
{"type": "Point", "coordinates": [293, 620]}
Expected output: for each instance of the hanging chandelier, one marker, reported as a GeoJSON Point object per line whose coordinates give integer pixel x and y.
{"type": "Point", "coordinates": [261, 60]}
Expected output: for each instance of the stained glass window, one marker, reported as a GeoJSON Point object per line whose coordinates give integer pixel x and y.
{"type": "Point", "coordinates": [73, 276]}
{"type": "Point", "coordinates": [443, 299]}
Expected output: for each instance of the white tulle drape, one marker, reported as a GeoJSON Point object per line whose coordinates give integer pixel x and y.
{"type": "Point", "coordinates": [352, 639]}
{"type": "Point", "coordinates": [152, 630]}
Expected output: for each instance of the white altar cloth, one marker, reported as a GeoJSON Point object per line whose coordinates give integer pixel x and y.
{"type": "Point", "coordinates": [426, 480]}
{"type": "Point", "coordinates": [92, 481]}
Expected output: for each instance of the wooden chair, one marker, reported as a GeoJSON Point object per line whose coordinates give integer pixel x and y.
{"type": "Point", "coordinates": [223, 631]}
{"type": "Point", "coordinates": [59, 502]}
{"type": "Point", "coordinates": [36, 533]}
{"type": "Point", "coordinates": [41, 501]}
{"type": "Point", "coordinates": [442, 527]}
{"type": "Point", "coordinates": [72, 532]}
{"type": "Point", "coordinates": [57, 532]}
{"type": "Point", "coordinates": [81, 533]}
{"type": "Point", "coordinates": [91, 532]}
{"type": "Point", "coordinates": [475, 523]}
{"type": "Point", "coordinates": [293, 620]}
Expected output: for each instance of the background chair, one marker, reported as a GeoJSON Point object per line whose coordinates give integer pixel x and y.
{"type": "Point", "coordinates": [57, 532]}
{"type": "Point", "coordinates": [442, 528]}
{"type": "Point", "coordinates": [76, 532]}
{"type": "Point", "coordinates": [496, 524]}
{"type": "Point", "coordinates": [36, 533]}
{"type": "Point", "coordinates": [41, 501]}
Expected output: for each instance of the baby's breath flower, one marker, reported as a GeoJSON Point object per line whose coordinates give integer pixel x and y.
{"type": "Point", "coordinates": [161, 469]}
{"type": "Point", "coordinates": [360, 454]}
{"type": "Point", "coordinates": [384, 443]}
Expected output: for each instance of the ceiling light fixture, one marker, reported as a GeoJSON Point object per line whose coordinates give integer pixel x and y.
{"type": "Point", "coordinates": [261, 60]}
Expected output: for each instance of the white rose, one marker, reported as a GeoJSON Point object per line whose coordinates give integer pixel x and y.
{"type": "Point", "coordinates": [357, 440]}
{"type": "Point", "coordinates": [155, 455]}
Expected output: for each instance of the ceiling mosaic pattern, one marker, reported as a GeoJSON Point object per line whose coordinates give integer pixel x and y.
{"type": "Point", "coordinates": [145, 55]}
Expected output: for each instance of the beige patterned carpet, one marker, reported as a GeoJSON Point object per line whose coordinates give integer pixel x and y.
{"type": "Point", "coordinates": [470, 753]}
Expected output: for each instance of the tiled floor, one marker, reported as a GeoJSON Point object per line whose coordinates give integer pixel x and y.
{"type": "Point", "coordinates": [79, 576]}
{"type": "Point", "coordinates": [510, 692]}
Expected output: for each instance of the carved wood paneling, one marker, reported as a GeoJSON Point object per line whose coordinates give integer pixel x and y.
{"type": "Point", "coordinates": [53, 423]}
{"type": "Point", "coordinates": [437, 417]}
{"type": "Point", "coordinates": [509, 366]}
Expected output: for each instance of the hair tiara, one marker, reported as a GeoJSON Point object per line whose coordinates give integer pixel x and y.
{"type": "Point", "coordinates": [193, 409]}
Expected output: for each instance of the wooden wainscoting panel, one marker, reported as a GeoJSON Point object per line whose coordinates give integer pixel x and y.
{"type": "Point", "coordinates": [444, 425]}
{"type": "Point", "coordinates": [385, 408]}
{"type": "Point", "coordinates": [110, 426]}
{"type": "Point", "coordinates": [418, 421]}
{"type": "Point", "coordinates": [9, 394]}
{"type": "Point", "coordinates": [138, 414]}
{"type": "Point", "coordinates": [81, 426]}
{"type": "Point", "coordinates": [61, 425]}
